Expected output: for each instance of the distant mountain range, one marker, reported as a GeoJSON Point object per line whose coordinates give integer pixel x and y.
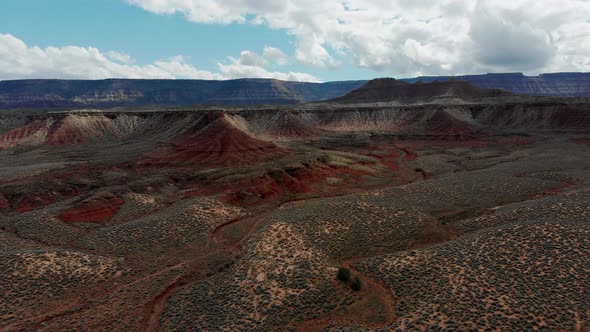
{"type": "Point", "coordinates": [389, 89]}
{"type": "Point", "coordinates": [20, 94]}
{"type": "Point", "coordinates": [553, 85]}
{"type": "Point", "coordinates": [129, 92]}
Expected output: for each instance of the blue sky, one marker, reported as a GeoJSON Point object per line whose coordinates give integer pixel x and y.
{"type": "Point", "coordinates": [339, 40]}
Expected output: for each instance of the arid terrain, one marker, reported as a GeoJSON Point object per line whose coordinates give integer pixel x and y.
{"type": "Point", "coordinates": [453, 214]}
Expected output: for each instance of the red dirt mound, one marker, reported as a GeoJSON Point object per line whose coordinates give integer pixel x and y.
{"type": "Point", "coordinates": [98, 210]}
{"type": "Point", "coordinates": [221, 143]}
{"type": "Point", "coordinates": [32, 131]}
{"type": "Point", "coordinates": [289, 125]}
{"type": "Point", "coordinates": [444, 123]}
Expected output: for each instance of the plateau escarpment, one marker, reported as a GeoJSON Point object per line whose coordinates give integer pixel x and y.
{"type": "Point", "coordinates": [443, 213]}
{"type": "Point", "coordinates": [51, 94]}
{"type": "Point", "coordinates": [555, 84]}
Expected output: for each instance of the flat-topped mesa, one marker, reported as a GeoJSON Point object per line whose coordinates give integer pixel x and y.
{"type": "Point", "coordinates": [223, 142]}
{"type": "Point", "coordinates": [392, 90]}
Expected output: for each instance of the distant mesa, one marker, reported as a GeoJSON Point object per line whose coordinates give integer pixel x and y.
{"type": "Point", "coordinates": [392, 90]}
{"type": "Point", "coordinates": [63, 94]}
{"type": "Point", "coordinates": [60, 94]}
{"type": "Point", "coordinates": [551, 85]}
{"type": "Point", "coordinates": [223, 142]}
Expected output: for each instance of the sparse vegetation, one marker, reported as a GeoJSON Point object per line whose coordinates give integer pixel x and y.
{"type": "Point", "coordinates": [205, 245]}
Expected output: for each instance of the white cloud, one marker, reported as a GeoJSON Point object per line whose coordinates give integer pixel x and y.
{"type": "Point", "coordinates": [503, 41]}
{"type": "Point", "coordinates": [404, 38]}
{"type": "Point", "coordinates": [119, 56]}
{"type": "Point", "coordinates": [17, 61]}
{"type": "Point", "coordinates": [249, 58]}
{"type": "Point", "coordinates": [20, 61]}
{"type": "Point", "coordinates": [276, 55]}
{"type": "Point", "coordinates": [251, 64]}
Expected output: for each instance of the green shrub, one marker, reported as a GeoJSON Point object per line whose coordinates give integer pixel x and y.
{"type": "Point", "coordinates": [343, 274]}
{"type": "Point", "coordinates": [356, 284]}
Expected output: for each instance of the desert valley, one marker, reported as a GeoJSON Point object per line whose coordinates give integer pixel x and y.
{"type": "Point", "coordinates": [428, 206]}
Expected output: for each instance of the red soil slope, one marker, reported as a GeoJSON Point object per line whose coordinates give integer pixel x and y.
{"type": "Point", "coordinates": [221, 143]}
{"type": "Point", "coordinates": [33, 130]}
{"type": "Point", "coordinates": [97, 210]}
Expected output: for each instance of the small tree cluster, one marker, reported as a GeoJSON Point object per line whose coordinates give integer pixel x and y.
{"type": "Point", "coordinates": [344, 275]}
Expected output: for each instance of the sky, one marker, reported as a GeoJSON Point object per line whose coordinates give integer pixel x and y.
{"type": "Point", "coordinates": [300, 40]}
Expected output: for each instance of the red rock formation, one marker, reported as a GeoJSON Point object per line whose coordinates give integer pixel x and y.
{"type": "Point", "coordinates": [221, 143]}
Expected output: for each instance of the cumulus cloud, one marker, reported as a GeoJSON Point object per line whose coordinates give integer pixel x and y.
{"type": "Point", "coordinates": [249, 58]}
{"type": "Point", "coordinates": [20, 61]}
{"type": "Point", "coordinates": [402, 37]}
{"type": "Point", "coordinates": [119, 56]}
{"type": "Point", "coordinates": [275, 55]}
{"type": "Point", "coordinates": [505, 42]}
{"type": "Point", "coordinates": [251, 64]}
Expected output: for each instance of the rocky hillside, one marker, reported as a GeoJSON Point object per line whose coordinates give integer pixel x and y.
{"type": "Point", "coordinates": [557, 84]}
{"type": "Point", "coordinates": [392, 90]}
{"type": "Point", "coordinates": [125, 92]}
